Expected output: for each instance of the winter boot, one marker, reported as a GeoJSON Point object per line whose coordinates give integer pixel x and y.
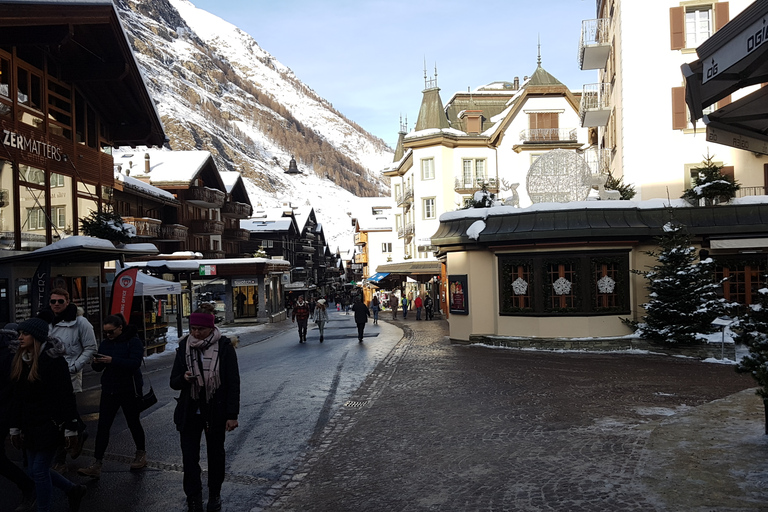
{"type": "Point", "coordinates": [195, 503]}
{"type": "Point", "coordinates": [140, 461]}
{"type": "Point", "coordinates": [93, 471]}
{"type": "Point", "coordinates": [214, 503]}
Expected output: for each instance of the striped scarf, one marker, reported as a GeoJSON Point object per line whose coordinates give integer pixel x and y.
{"type": "Point", "coordinates": [207, 351]}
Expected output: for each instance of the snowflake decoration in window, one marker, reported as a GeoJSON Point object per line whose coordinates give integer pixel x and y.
{"type": "Point", "coordinates": [519, 286]}
{"type": "Point", "coordinates": [606, 285]}
{"type": "Point", "coordinates": [562, 286]}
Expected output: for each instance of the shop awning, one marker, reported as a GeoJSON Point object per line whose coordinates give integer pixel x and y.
{"type": "Point", "coordinates": [410, 268]}
{"type": "Point", "coordinates": [149, 285]}
{"type": "Point", "coordinates": [378, 276]}
{"type": "Point", "coordinates": [735, 57]}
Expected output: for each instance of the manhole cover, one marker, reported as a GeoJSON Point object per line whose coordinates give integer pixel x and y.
{"type": "Point", "coordinates": [354, 403]}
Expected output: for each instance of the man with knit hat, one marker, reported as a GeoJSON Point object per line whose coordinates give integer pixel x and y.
{"type": "Point", "coordinates": [206, 373]}
{"type": "Point", "coordinates": [300, 315]}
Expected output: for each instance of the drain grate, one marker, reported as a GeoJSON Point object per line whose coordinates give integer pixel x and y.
{"type": "Point", "coordinates": [355, 403]}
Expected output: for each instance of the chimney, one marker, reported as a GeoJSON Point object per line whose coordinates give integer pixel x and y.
{"type": "Point", "coordinates": [517, 83]}
{"type": "Point", "coordinates": [146, 163]}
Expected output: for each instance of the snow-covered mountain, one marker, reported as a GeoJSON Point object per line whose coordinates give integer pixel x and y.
{"type": "Point", "coordinates": [216, 89]}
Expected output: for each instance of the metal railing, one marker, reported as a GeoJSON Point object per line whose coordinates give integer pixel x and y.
{"type": "Point", "coordinates": [593, 32]}
{"type": "Point", "coordinates": [596, 96]}
{"type": "Point", "coordinates": [549, 135]}
{"type": "Point", "coordinates": [404, 196]}
{"type": "Point", "coordinates": [406, 230]}
{"type": "Point", "coordinates": [598, 160]}
{"type": "Point", "coordinates": [476, 184]}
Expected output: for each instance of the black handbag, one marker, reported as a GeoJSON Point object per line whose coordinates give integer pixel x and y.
{"type": "Point", "coordinates": [148, 399]}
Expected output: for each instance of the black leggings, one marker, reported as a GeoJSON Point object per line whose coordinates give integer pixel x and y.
{"type": "Point", "coordinates": [108, 407]}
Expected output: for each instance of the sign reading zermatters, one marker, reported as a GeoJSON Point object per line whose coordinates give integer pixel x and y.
{"type": "Point", "coordinates": [36, 147]}
{"type": "Point", "coordinates": [736, 49]}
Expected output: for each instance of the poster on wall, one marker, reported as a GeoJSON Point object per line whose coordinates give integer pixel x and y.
{"type": "Point", "coordinates": [458, 294]}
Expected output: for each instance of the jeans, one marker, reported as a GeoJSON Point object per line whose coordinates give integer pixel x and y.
{"type": "Point", "coordinates": [375, 316]}
{"type": "Point", "coordinates": [10, 470]}
{"type": "Point", "coordinates": [418, 313]}
{"type": "Point", "coordinates": [190, 453]}
{"type": "Point", "coordinates": [45, 478]}
{"type": "Point", "coordinates": [321, 328]}
{"type": "Point", "coordinates": [302, 329]}
{"type": "Point", "coordinates": [108, 407]}
{"type": "Point", "coordinates": [405, 312]}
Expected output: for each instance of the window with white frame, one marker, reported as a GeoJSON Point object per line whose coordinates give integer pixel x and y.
{"type": "Point", "coordinates": [428, 169]}
{"type": "Point", "coordinates": [698, 25]}
{"type": "Point", "coordinates": [59, 216]}
{"type": "Point", "coordinates": [35, 218]}
{"type": "Point", "coordinates": [267, 244]}
{"type": "Point", "coordinates": [429, 207]}
{"type": "Point", "coordinates": [386, 247]}
{"type": "Point", "coordinates": [473, 171]}
{"type": "Point", "coordinates": [57, 180]}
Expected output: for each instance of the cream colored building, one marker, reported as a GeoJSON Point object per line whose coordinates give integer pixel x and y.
{"type": "Point", "coordinates": [637, 109]}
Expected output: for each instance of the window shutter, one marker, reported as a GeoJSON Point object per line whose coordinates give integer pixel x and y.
{"type": "Point", "coordinates": [679, 112]}
{"type": "Point", "coordinates": [677, 28]}
{"type": "Point", "coordinates": [727, 171]}
{"type": "Point", "coordinates": [722, 15]}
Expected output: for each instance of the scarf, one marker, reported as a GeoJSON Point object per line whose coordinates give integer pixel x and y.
{"type": "Point", "coordinates": [204, 351]}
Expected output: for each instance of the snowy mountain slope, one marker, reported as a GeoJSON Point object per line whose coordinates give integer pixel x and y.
{"type": "Point", "coordinates": [216, 89]}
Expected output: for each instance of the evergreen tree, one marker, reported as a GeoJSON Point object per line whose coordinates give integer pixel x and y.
{"type": "Point", "coordinates": [754, 334]}
{"type": "Point", "coordinates": [683, 296]}
{"type": "Point", "coordinates": [711, 185]}
{"type": "Point", "coordinates": [107, 225]}
{"type": "Point", "coordinates": [627, 191]}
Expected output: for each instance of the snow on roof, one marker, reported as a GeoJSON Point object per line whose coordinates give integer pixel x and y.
{"type": "Point", "coordinates": [230, 179]}
{"type": "Point", "coordinates": [89, 242]}
{"type": "Point", "coordinates": [434, 131]}
{"type": "Point", "coordinates": [132, 182]}
{"type": "Point", "coordinates": [164, 165]}
{"type": "Point", "coordinates": [264, 225]}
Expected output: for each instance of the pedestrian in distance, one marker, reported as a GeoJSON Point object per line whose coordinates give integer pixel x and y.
{"type": "Point", "coordinates": [404, 304]}
{"type": "Point", "coordinates": [240, 301]}
{"type": "Point", "coordinates": [76, 333]}
{"type": "Point", "coordinates": [300, 315]}
{"type": "Point", "coordinates": [121, 353]}
{"type": "Point", "coordinates": [428, 304]}
{"type": "Point", "coordinates": [418, 304]}
{"type": "Point", "coordinates": [375, 308]}
{"type": "Point", "coordinates": [393, 303]}
{"type": "Point", "coordinates": [321, 316]}
{"type": "Point", "coordinates": [9, 339]}
{"type": "Point", "coordinates": [206, 374]}
{"type": "Point", "coordinates": [361, 313]}
{"type": "Point", "coordinates": [43, 412]}
{"type": "Point", "coordinates": [311, 302]}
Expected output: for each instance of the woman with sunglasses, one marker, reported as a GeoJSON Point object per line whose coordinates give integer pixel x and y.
{"type": "Point", "coordinates": [120, 356]}
{"type": "Point", "coordinates": [43, 410]}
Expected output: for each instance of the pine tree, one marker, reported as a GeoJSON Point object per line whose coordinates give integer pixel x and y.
{"type": "Point", "coordinates": [107, 225]}
{"type": "Point", "coordinates": [627, 191]}
{"type": "Point", "coordinates": [754, 334]}
{"type": "Point", "coordinates": [683, 296]}
{"type": "Point", "coordinates": [711, 185]}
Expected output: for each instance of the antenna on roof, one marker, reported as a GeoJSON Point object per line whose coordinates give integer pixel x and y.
{"type": "Point", "coordinates": [431, 82]}
{"type": "Point", "coordinates": [538, 61]}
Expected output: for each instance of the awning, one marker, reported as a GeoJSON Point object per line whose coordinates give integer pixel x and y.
{"type": "Point", "coordinates": [411, 268]}
{"type": "Point", "coordinates": [149, 285]}
{"type": "Point", "coordinates": [378, 276]}
{"type": "Point", "coordinates": [735, 57]}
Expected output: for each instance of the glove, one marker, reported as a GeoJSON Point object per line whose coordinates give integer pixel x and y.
{"type": "Point", "coordinates": [16, 441]}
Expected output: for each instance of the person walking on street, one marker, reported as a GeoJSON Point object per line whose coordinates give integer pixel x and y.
{"type": "Point", "coordinates": [418, 304]}
{"type": "Point", "coordinates": [300, 315]}
{"type": "Point", "coordinates": [393, 303]}
{"type": "Point", "coordinates": [375, 307]}
{"type": "Point", "coordinates": [361, 313]}
{"type": "Point", "coordinates": [206, 373]}
{"type": "Point", "coordinates": [120, 357]}
{"type": "Point", "coordinates": [404, 303]}
{"type": "Point", "coordinates": [321, 317]}
{"type": "Point", "coordinates": [43, 406]}
{"type": "Point", "coordinates": [76, 333]}
{"type": "Point", "coordinates": [428, 307]}
{"type": "Point", "coordinates": [8, 337]}
{"type": "Point", "coordinates": [240, 299]}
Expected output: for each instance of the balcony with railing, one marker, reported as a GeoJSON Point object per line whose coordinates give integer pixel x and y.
{"type": "Point", "coordinates": [205, 197]}
{"type": "Point", "coordinates": [595, 43]}
{"type": "Point", "coordinates": [214, 254]}
{"type": "Point", "coordinates": [405, 197]}
{"type": "Point", "coordinates": [361, 238]}
{"type": "Point", "coordinates": [361, 258]}
{"type": "Point", "coordinates": [406, 231]}
{"type": "Point", "coordinates": [207, 227]}
{"type": "Point", "coordinates": [467, 186]}
{"type": "Point", "coordinates": [751, 191]}
{"type": "Point", "coordinates": [596, 104]}
{"type": "Point", "coordinates": [598, 160]}
{"type": "Point", "coordinates": [145, 226]}
{"type": "Point", "coordinates": [236, 210]}
{"type": "Point", "coordinates": [242, 235]}
{"type": "Point", "coordinates": [173, 233]}
{"type": "Point", "coordinates": [549, 135]}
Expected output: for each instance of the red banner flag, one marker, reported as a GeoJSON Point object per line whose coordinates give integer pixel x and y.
{"type": "Point", "coordinates": [122, 292]}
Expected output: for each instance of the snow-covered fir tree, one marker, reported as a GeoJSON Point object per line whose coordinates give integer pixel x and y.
{"type": "Point", "coordinates": [754, 334]}
{"type": "Point", "coordinates": [711, 185]}
{"type": "Point", "coordinates": [683, 295]}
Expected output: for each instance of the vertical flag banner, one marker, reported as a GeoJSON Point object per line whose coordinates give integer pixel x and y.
{"type": "Point", "coordinates": [122, 292]}
{"type": "Point", "coordinates": [41, 286]}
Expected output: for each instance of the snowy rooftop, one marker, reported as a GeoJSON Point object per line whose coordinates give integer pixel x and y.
{"type": "Point", "coordinates": [230, 179]}
{"type": "Point", "coordinates": [266, 225]}
{"type": "Point", "coordinates": [164, 165]}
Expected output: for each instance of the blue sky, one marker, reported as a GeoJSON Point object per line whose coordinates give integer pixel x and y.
{"type": "Point", "coordinates": [367, 56]}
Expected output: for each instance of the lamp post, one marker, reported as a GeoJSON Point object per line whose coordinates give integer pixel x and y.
{"type": "Point", "coordinates": [722, 322]}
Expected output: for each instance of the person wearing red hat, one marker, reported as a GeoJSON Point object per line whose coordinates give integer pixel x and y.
{"type": "Point", "coordinates": [206, 373]}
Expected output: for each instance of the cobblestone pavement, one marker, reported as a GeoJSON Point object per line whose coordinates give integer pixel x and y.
{"type": "Point", "coordinates": [448, 427]}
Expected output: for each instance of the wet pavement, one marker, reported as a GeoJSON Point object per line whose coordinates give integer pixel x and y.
{"type": "Point", "coordinates": [440, 426]}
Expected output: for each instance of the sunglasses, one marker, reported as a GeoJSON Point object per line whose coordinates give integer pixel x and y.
{"type": "Point", "coordinates": [57, 301]}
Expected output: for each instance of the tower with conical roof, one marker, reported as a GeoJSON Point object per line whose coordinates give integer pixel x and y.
{"type": "Point", "coordinates": [431, 114]}
{"type": "Point", "coordinates": [399, 150]}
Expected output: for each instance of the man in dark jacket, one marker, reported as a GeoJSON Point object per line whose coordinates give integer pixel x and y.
{"type": "Point", "coordinates": [7, 468]}
{"type": "Point", "coordinates": [300, 315]}
{"type": "Point", "coordinates": [361, 317]}
{"type": "Point", "coordinates": [205, 370]}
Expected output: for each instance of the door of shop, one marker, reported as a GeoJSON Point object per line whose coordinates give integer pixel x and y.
{"type": "Point", "coordinates": [246, 301]}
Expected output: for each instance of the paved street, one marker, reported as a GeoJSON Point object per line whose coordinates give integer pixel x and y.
{"type": "Point", "coordinates": [411, 422]}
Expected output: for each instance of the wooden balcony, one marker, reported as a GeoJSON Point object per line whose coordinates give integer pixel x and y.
{"type": "Point", "coordinates": [361, 238]}
{"type": "Point", "coordinates": [145, 227]}
{"type": "Point", "coordinates": [213, 255]}
{"type": "Point", "coordinates": [173, 233]}
{"type": "Point", "coordinates": [236, 210]}
{"type": "Point", "coordinates": [206, 227]}
{"type": "Point", "coordinates": [205, 197]}
{"type": "Point", "coordinates": [361, 258]}
{"type": "Point", "coordinates": [242, 235]}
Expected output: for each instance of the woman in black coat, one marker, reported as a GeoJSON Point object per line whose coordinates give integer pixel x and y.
{"type": "Point", "coordinates": [206, 373]}
{"type": "Point", "coordinates": [120, 356]}
{"type": "Point", "coordinates": [43, 410]}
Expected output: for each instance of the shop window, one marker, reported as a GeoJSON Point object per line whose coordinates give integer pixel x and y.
{"type": "Point", "coordinates": [741, 280]}
{"type": "Point", "coordinates": [605, 275]}
{"type": "Point", "coordinates": [517, 285]}
{"type": "Point", "coordinates": [561, 286]}
{"type": "Point", "coordinates": [31, 174]}
{"type": "Point", "coordinates": [23, 299]}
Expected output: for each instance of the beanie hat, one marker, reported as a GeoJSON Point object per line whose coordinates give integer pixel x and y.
{"type": "Point", "coordinates": [37, 327]}
{"type": "Point", "coordinates": [201, 320]}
